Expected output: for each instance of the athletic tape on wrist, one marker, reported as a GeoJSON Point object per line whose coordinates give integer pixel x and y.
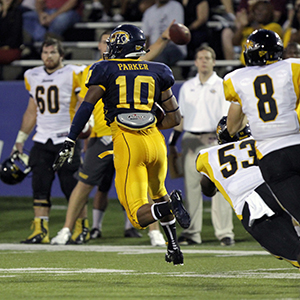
{"type": "Point", "coordinates": [21, 137]}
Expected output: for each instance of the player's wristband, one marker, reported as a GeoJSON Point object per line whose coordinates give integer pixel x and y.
{"type": "Point", "coordinates": [81, 118]}
{"type": "Point", "coordinates": [175, 134]}
{"type": "Point", "coordinates": [21, 137]}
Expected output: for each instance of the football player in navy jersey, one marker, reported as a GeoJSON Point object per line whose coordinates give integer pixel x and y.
{"type": "Point", "coordinates": [129, 89]}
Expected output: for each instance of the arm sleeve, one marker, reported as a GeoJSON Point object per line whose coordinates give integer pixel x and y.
{"type": "Point", "coordinates": [81, 117]}
{"type": "Point", "coordinates": [96, 75]}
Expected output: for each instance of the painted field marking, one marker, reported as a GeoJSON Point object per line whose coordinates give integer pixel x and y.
{"type": "Point", "coordinates": [126, 250]}
{"type": "Point", "coordinates": [265, 273]}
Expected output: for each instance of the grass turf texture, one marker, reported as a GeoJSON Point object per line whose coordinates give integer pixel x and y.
{"type": "Point", "coordinates": [115, 267]}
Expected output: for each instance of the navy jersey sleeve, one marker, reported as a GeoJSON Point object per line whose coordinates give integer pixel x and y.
{"type": "Point", "coordinates": [97, 74]}
{"type": "Point", "coordinates": [166, 78]}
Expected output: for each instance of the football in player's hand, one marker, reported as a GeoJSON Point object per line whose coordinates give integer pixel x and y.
{"type": "Point", "coordinates": [159, 112]}
{"type": "Point", "coordinates": [180, 34]}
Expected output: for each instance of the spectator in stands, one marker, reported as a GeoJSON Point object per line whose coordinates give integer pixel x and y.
{"type": "Point", "coordinates": [223, 12]}
{"type": "Point", "coordinates": [133, 10]}
{"type": "Point", "coordinates": [11, 37]}
{"type": "Point", "coordinates": [52, 18]}
{"type": "Point", "coordinates": [155, 20]}
{"type": "Point", "coordinates": [281, 11]}
{"type": "Point", "coordinates": [261, 16]}
{"type": "Point", "coordinates": [292, 50]}
{"type": "Point", "coordinates": [128, 10]}
{"type": "Point", "coordinates": [280, 8]}
{"type": "Point", "coordinates": [27, 5]}
{"type": "Point", "coordinates": [295, 26]}
{"type": "Point", "coordinates": [196, 13]}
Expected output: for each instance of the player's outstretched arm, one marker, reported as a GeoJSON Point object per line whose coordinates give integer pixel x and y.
{"type": "Point", "coordinates": [159, 45]}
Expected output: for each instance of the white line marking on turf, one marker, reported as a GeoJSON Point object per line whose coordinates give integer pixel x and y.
{"type": "Point", "coordinates": [266, 273]}
{"type": "Point", "coordinates": [126, 250]}
{"type": "Point", "coordinates": [62, 270]}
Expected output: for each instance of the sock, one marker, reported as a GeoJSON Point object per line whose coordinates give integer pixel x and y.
{"type": "Point", "coordinates": [97, 218]}
{"type": "Point", "coordinates": [160, 210]}
{"type": "Point", "coordinates": [170, 232]}
{"type": "Point", "coordinates": [128, 224]}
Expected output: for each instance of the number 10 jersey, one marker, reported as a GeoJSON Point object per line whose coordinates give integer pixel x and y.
{"type": "Point", "coordinates": [130, 85]}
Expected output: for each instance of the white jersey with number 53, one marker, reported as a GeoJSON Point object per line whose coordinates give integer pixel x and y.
{"type": "Point", "coordinates": [233, 169]}
{"type": "Point", "coordinates": [55, 96]}
{"type": "Point", "coordinates": [269, 96]}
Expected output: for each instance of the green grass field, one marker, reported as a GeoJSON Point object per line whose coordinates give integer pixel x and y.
{"type": "Point", "coordinates": [115, 267]}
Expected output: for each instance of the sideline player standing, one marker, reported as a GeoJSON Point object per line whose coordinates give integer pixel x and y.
{"type": "Point", "coordinates": [267, 92]}
{"type": "Point", "coordinates": [232, 168]}
{"type": "Point", "coordinates": [53, 90]}
{"type": "Point", "coordinates": [129, 89]}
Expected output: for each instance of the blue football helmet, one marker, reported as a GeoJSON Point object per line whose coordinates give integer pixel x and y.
{"type": "Point", "coordinates": [263, 47]}
{"type": "Point", "coordinates": [15, 168]}
{"type": "Point", "coordinates": [125, 41]}
{"type": "Point", "coordinates": [224, 136]}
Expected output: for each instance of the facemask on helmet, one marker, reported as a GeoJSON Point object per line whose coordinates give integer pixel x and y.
{"type": "Point", "coordinates": [125, 41]}
{"type": "Point", "coordinates": [15, 168]}
{"type": "Point", "coordinates": [263, 47]}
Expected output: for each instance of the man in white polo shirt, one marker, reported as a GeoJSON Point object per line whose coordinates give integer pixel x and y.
{"type": "Point", "coordinates": [202, 104]}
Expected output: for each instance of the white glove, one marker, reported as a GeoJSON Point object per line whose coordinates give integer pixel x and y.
{"type": "Point", "coordinates": [66, 152]}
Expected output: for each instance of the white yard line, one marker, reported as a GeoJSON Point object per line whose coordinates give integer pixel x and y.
{"type": "Point", "coordinates": [123, 249]}
{"type": "Point", "coordinates": [266, 273]}
{"type": "Point", "coordinates": [278, 273]}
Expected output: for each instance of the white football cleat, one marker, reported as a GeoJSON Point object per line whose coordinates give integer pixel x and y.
{"type": "Point", "coordinates": [62, 237]}
{"type": "Point", "coordinates": [156, 238]}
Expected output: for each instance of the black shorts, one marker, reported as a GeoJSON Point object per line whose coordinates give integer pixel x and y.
{"type": "Point", "coordinates": [41, 160]}
{"type": "Point", "coordinates": [97, 171]}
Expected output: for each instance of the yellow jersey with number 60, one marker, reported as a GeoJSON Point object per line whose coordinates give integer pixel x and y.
{"type": "Point", "coordinates": [269, 96]}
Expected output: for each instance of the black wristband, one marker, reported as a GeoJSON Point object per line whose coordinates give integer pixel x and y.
{"type": "Point", "coordinates": [175, 134]}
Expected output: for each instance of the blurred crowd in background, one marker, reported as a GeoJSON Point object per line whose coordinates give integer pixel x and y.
{"type": "Point", "coordinates": [221, 24]}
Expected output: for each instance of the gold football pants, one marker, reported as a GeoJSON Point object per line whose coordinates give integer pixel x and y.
{"type": "Point", "coordinates": [140, 159]}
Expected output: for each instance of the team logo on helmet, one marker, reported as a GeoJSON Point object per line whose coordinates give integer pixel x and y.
{"type": "Point", "coordinates": [262, 53]}
{"type": "Point", "coordinates": [249, 44]}
{"type": "Point", "coordinates": [120, 37]}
